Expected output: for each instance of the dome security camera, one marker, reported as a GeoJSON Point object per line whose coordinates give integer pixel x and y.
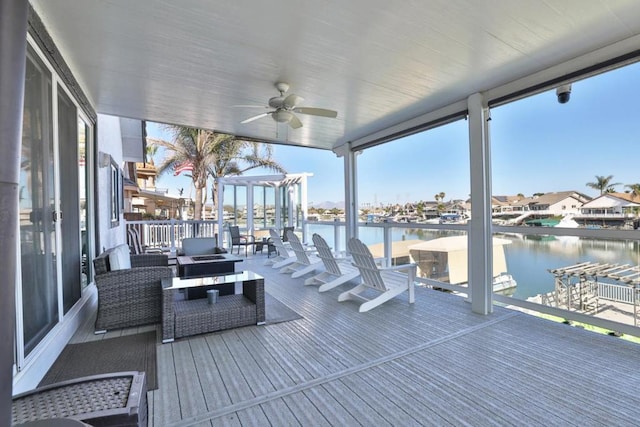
{"type": "Point", "coordinates": [563, 92]}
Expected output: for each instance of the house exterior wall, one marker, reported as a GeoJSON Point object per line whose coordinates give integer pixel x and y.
{"type": "Point", "coordinates": [109, 141]}
{"type": "Point", "coordinates": [565, 206]}
{"type": "Point", "coordinates": [604, 205]}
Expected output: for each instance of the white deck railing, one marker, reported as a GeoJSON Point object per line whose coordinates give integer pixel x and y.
{"type": "Point", "coordinates": [168, 234]}
{"type": "Point", "coordinates": [617, 293]}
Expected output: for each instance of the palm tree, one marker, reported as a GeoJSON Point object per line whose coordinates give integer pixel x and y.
{"type": "Point", "coordinates": [212, 154]}
{"type": "Point", "coordinates": [151, 151]}
{"type": "Point", "coordinates": [635, 189]}
{"type": "Point", "coordinates": [603, 183]}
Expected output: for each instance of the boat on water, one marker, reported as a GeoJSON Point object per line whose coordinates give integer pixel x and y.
{"type": "Point", "coordinates": [445, 259]}
{"type": "Point", "coordinates": [504, 282]}
{"type": "Point", "coordinates": [452, 219]}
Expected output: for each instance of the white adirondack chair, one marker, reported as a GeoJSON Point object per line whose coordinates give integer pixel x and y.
{"type": "Point", "coordinates": [389, 282]}
{"type": "Point", "coordinates": [284, 257]}
{"type": "Point", "coordinates": [305, 262]}
{"type": "Point", "coordinates": [338, 270]}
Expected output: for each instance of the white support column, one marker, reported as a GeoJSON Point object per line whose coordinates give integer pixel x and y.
{"type": "Point", "coordinates": [480, 253]}
{"type": "Point", "coordinates": [250, 229]}
{"type": "Point", "coordinates": [290, 203]}
{"type": "Point", "coordinates": [278, 205]}
{"type": "Point", "coordinates": [305, 209]}
{"type": "Point", "coordinates": [220, 201]}
{"type": "Point", "coordinates": [13, 33]}
{"type": "Point", "coordinates": [350, 191]}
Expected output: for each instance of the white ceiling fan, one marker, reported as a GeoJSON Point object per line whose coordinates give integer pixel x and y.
{"type": "Point", "coordinates": [283, 108]}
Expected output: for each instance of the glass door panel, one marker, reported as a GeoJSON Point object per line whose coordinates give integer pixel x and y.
{"type": "Point", "coordinates": [37, 208]}
{"type": "Point", "coordinates": [69, 203]}
{"type": "Point", "coordinates": [84, 138]}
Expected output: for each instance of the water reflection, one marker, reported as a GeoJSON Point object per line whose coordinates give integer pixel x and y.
{"type": "Point", "coordinates": [529, 257]}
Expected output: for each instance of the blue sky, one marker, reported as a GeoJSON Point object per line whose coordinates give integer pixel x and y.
{"type": "Point", "coordinates": [537, 145]}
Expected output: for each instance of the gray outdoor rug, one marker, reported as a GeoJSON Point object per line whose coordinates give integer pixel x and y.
{"type": "Point", "coordinates": [127, 353]}
{"type": "Point", "coordinates": [276, 312]}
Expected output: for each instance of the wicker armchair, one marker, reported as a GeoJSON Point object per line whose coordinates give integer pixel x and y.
{"type": "Point", "coordinates": [117, 399]}
{"type": "Point", "coordinates": [130, 297]}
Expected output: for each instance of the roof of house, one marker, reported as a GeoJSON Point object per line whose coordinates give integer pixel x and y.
{"type": "Point", "coordinates": [613, 199]}
{"type": "Point", "coordinates": [552, 198]}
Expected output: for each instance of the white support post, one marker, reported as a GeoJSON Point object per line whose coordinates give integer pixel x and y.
{"type": "Point", "coordinates": [220, 201]}
{"type": "Point", "coordinates": [250, 229]}
{"type": "Point", "coordinates": [290, 203]}
{"type": "Point", "coordinates": [480, 253]}
{"type": "Point", "coordinates": [305, 209]}
{"type": "Point", "coordinates": [350, 191]}
{"type": "Point", "coordinates": [278, 205]}
{"type": "Point", "coordinates": [388, 244]}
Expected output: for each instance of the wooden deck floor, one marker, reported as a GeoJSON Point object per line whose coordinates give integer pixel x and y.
{"type": "Point", "coordinates": [433, 363]}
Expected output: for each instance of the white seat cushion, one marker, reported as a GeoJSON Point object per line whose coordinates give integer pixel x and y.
{"type": "Point", "coordinates": [120, 258]}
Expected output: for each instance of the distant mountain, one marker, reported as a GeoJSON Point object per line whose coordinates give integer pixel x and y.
{"type": "Point", "coordinates": [327, 205]}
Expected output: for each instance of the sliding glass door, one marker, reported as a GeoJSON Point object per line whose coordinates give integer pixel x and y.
{"type": "Point", "coordinates": [38, 214]}
{"type": "Point", "coordinates": [54, 205]}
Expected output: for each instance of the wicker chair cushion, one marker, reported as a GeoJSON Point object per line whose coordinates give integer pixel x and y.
{"type": "Point", "coordinates": [120, 258]}
{"type": "Point", "coordinates": [198, 246]}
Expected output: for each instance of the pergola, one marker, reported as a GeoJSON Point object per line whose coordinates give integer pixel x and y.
{"type": "Point", "coordinates": [289, 199]}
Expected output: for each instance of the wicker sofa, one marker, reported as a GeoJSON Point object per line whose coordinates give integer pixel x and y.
{"type": "Point", "coordinates": [130, 297]}
{"type": "Point", "coordinates": [183, 318]}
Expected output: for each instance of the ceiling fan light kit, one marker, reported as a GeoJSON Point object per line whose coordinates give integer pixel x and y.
{"type": "Point", "coordinates": [282, 116]}
{"type": "Point", "coordinates": [284, 108]}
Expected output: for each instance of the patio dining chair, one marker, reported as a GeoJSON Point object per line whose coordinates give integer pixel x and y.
{"type": "Point", "coordinates": [240, 240]}
{"type": "Point", "coordinates": [285, 230]}
{"type": "Point", "coordinates": [338, 270]}
{"type": "Point", "coordinates": [387, 282]}
{"type": "Point", "coordinates": [305, 262]}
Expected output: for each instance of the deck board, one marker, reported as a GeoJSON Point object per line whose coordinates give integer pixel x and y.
{"type": "Point", "coordinates": [431, 363]}
{"type": "Point", "coordinates": [190, 394]}
{"type": "Point", "coordinates": [208, 375]}
{"type": "Point", "coordinates": [166, 403]}
{"type": "Point", "coordinates": [278, 413]}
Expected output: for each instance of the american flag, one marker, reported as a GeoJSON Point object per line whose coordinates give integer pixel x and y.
{"type": "Point", "coordinates": [182, 167]}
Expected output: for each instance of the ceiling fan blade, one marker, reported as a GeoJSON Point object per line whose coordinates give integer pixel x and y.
{"type": "Point", "coordinates": [291, 101]}
{"type": "Point", "coordinates": [250, 119]}
{"type": "Point", "coordinates": [295, 122]}
{"type": "Point", "coordinates": [317, 112]}
{"type": "Point", "coordinates": [249, 106]}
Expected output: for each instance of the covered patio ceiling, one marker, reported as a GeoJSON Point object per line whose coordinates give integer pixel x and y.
{"type": "Point", "coordinates": [377, 63]}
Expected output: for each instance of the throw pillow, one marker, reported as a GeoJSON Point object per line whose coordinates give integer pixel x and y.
{"type": "Point", "coordinates": [119, 258]}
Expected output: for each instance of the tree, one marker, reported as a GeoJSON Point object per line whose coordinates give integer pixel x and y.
{"type": "Point", "coordinates": [211, 154]}
{"type": "Point", "coordinates": [439, 199]}
{"type": "Point", "coordinates": [635, 189]}
{"type": "Point", "coordinates": [151, 151]}
{"type": "Point", "coordinates": [603, 183]}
